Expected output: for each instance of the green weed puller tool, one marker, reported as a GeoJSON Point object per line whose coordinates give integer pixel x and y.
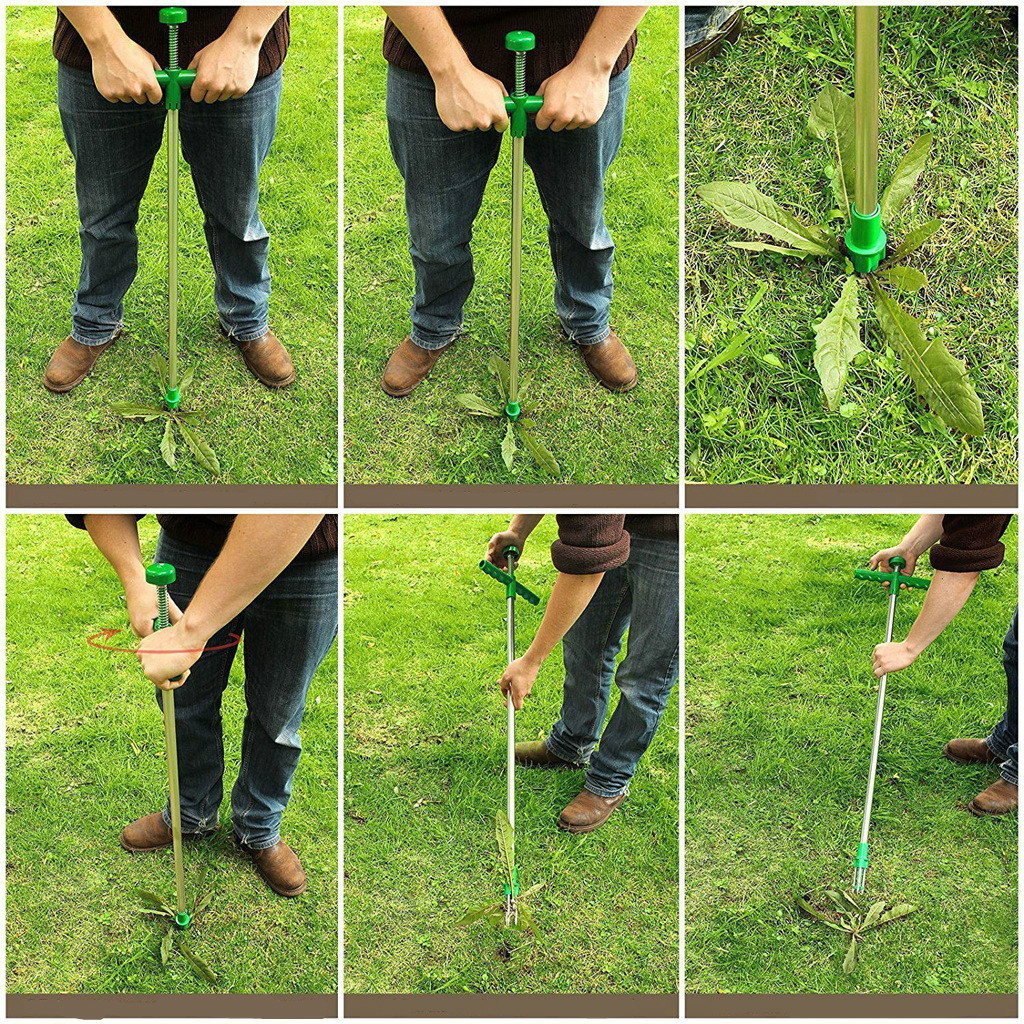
{"type": "Point", "coordinates": [161, 575]}
{"type": "Point", "coordinates": [519, 106]}
{"type": "Point", "coordinates": [513, 588]}
{"type": "Point", "coordinates": [894, 578]}
{"type": "Point", "coordinates": [174, 79]}
{"type": "Point", "coordinates": [865, 239]}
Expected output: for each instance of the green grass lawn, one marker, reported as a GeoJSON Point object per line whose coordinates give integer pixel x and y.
{"type": "Point", "coordinates": [85, 755]}
{"type": "Point", "coordinates": [427, 438]}
{"type": "Point", "coordinates": [287, 437]}
{"type": "Point", "coordinates": [948, 71]}
{"type": "Point", "coordinates": [780, 707]}
{"type": "Point", "coordinates": [425, 773]}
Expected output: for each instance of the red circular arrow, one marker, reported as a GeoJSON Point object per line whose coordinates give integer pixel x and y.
{"type": "Point", "coordinates": [107, 634]}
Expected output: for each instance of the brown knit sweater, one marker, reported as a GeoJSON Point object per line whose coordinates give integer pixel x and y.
{"type": "Point", "coordinates": [142, 25]}
{"type": "Point", "coordinates": [210, 532]}
{"type": "Point", "coordinates": [969, 543]}
{"type": "Point", "coordinates": [589, 544]}
{"type": "Point", "coordinates": [482, 31]}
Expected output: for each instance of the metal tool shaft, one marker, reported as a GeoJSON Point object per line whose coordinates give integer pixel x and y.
{"type": "Point", "coordinates": [511, 741]}
{"type": "Point", "coordinates": [516, 265]}
{"type": "Point", "coordinates": [171, 746]}
{"type": "Point", "coordinates": [866, 109]}
{"type": "Point", "coordinates": [172, 250]}
{"type": "Point", "coordinates": [860, 872]}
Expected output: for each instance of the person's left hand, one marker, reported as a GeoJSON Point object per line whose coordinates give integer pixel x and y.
{"type": "Point", "coordinates": [170, 670]}
{"type": "Point", "coordinates": [225, 70]}
{"type": "Point", "coordinates": [574, 97]}
{"type": "Point", "coordinates": [518, 680]}
{"type": "Point", "coordinates": [892, 657]}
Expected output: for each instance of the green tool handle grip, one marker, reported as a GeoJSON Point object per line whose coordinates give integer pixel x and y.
{"type": "Point", "coordinates": [185, 76]}
{"type": "Point", "coordinates": [518, 109]}
{"type": "Point", "coordinates": [174, 80]}
{"type": "Point", "coordinates": [891, 577]}
{"type": "Point", "coordinates": [503, 577]}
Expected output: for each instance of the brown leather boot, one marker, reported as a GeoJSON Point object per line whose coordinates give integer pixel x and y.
{"type": "Point", "coordinates": [967, 751]}
{"type": "Point", "coordinates": [708, 47]}
{"type": "Point", "coordinates": [279, 867]}
{"type": "Point", "coordinates": [610, 362]}
{"type": "Point", "coordinates": [150, 833]}
{"type": "Point", "coordinates": [999, 798]}
{"type": "Point", "coordinates": [71, 362]}
{"type": "Point", "coordinates": [408, 367]}
{"type": "Point", "coordinates": [536, 754]}
{"type": "Point", "coordinates": [588, 812]}
{"type": "Point", "coordinates": [267, 359]}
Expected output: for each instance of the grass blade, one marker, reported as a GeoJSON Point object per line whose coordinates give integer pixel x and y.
{"type": "Point", "coordinates": [167, 446]}
{"type": "Point", "coordinates": [200, 449]}
{"type": "Point", "coordinates": [837, 341]}
{"type": "Point", "coordinates": [940, 378]}
{"type": "Point", "coordinates": [477, 406]}
{"type": "Point", "coordinates": [195, 963]}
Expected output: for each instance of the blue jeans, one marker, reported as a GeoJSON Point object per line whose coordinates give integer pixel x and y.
{"type": "Point", "coordinates": [445, 173]}
{"type": "Point", "coordinates": [288, 630]}
{"type": "Point", "coordinates": [643, 597]}
{"type": "Point", "coordinates": [1003, 740]}
{"type": "Point", "coordinates": [114, 146]}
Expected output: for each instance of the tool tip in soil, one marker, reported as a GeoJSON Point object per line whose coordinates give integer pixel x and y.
{"type": "Point", "coordinates": [182, 920]}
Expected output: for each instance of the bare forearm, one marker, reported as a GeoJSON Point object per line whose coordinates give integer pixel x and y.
{"type": "Point", "coordinates": [569, 597]}
{"type": "Point", "coordinates": [924, 533]}
{"type": "Point", "coordinates": [258, 549]}
{"type": "Point", "coordinates": [608, 34]}
{"type": "Point", "coordinates": [427, 31]}
{"type": "Point", "coordinates": [947, 594]}
{"type": "Point", "coordinates": [523, 525]}
{"type": "Point", "coordinates": [117, 538]}
{"type": "Point", "coordinates": [250, 25]}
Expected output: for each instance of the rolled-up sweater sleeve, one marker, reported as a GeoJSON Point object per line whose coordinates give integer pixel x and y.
{"type": "Point", "coordinates": [590, 544]}
{"type": "Point", "coordinates": [969, 543]}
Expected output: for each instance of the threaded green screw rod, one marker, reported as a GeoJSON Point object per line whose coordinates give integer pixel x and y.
{"type": "Point", "coordinates": [894, 579]}
{"type": "Point", "coordinates": [512, 589]}
{"type": "Point", "coordinates": [172, 78]}
{"type": "Point", "coordinates": [518, 106]}
{"type": "Point", "coordinates": [161, 575]}
{"type": "Point", "coordinates": [865, 239]}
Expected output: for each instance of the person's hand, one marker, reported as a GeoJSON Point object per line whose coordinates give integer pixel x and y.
{"type": "Point", "coordinates": [892, 657]}
{"type": "Point", "coordinates": [574, 97]}
{"type": "Point", "coordinates": [518, 680]}
{"type": "Point", "coordinates": [142, 608]}
{"type": "Point", "coordinates": [225, 70]}
{"type": "Point", "coordinates": [170, 670]}
{"type": "Point", "coordinates": [468, 100]}
{"type": "Point", "coordinates": [498, 543]}
{"type": "Point", "coordinates": [881, 560]}
{"type": "Point", "coordinates": [125, 73]}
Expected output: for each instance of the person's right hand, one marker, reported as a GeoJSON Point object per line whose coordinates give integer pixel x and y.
{"type": "Point", "coordinates": [497, 545]}
{"type": "Point", "coordinates": [469, 100]}
{"type": "Point", "coordinates": [124, 73]}
{"type": "Point", "coordinates": [143, 610]}
{"type": "Point", "coordinates": [880, 560]}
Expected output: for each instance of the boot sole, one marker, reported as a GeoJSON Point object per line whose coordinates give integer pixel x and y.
{"type": "Point", "coordinates": [979, 813]}
{"type": "Point", "coordinates": [579, 830]}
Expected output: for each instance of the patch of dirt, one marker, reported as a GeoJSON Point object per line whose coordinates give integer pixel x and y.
{"type": "Point", "coordinates": [503, 953]}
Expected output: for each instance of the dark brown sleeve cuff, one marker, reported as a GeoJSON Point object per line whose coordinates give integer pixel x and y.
{"type": "Point", "coordinates": [589, 544]}
{"type": "Point", "coordinates": [969, 543]}
{"type": "Point", "coordinates": [948, 559]}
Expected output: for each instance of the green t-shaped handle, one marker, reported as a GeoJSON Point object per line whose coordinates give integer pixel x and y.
{"type": "Point", "coordinates": [173, 78]}
{"type": "Point", "coordinates": [161, 575]}
{"type": "Point", "coordinates": [894, 578]}
{"type": "Point", "coordinates": [519, 105]}
{"type": "Point", "coordinates": [512, 585]}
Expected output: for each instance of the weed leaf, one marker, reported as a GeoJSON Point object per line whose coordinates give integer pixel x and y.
{"type": "Point", "coordinates": [200, 449]}
{"type": "Point", "coordinates": [808, 908]}
{"type": "Point", "coordinates": [134, 411]}
{"type": "Point", "coordinates": [800, 254]}
{"type": "Point", "coordinates": [500, 369]}
{"type": "Point", "coordinates": [476, 405]}
{"type": "Point", "coordinates": [872, 916]}
{"type": "Point", "coordinates": [538, 452]}
{"type": "Point", "coordinates": [508, 446]}
{"type": "Point", "coordinates": [900, 910]}
{"type": "Point", "coordinates": [904, 178]}
{"type": "Point", "coordinates": [526, 921]}
{"type": "Point", "coordinates": [850, 960]}
{"type": "Point", "coordinates": [478, 913]}
{"type": "Point", "coordinates": [530, 892]}
{"type": "Point", "coordinates": [940, 378]}
{"type": "Point", "coordinates": [916, 238]}
{"type": "Point", "coordinates": [158, 365]}
{"type": "Point", "coordinates": [745, 207]}
{"type": "Point", "coordinates": [906, 279]}
{"type": "Point", "coordinates": [837, 341]}
{"type": "Point", "coordinates": [832, 120]}
{"type": "Point", "coordinates": [167, 446]}
{"type": "Point", "coordinates": [185, 380]}
{"type": "Point", "coordinates": [506, 845]}
{"type": "Point", "coordinates": [195, 963]}
{"type": "Point", "coordinates": [151, 900]}
{"type": "Point", "coordinates": [166, 944]}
